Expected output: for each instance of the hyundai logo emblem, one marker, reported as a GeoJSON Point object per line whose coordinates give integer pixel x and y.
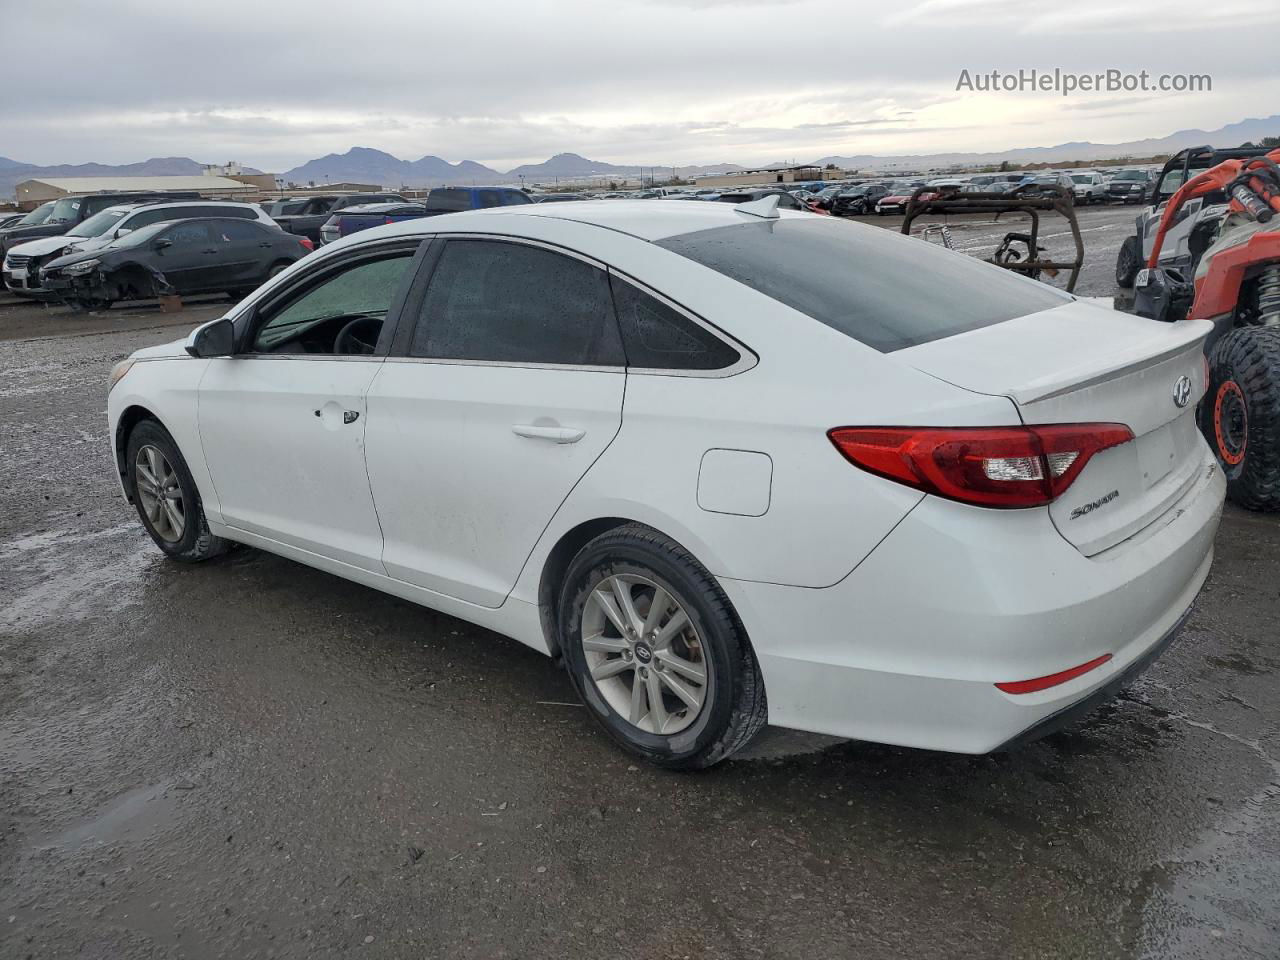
{"type": "Point", "coordinates": [1182, 391]}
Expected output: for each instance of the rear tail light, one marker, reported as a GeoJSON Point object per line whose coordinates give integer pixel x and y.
{"type": "Point", "coordinates": [986, 466]}
{"type": "Point", "coordinates": [306, 242]}
{"type": "Point", "coordinates": [387, 220]}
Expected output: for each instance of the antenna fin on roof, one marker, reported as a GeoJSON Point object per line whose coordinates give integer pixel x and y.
{"type": "Point", "coordinates": [766, 207]}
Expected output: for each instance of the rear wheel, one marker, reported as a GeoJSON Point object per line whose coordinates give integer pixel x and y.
{"type": "Point", "coordinates": [166, 497]}
{"type": "Point", "coordinates": [656, 651]}
{"type": "Point", "coordinates": [1241, 415]}
{"type": "Point", "coordinates": [1127, 262]}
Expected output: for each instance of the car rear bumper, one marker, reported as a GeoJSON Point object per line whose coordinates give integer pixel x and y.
{"type": "Point", "coordinates": [908, 648]}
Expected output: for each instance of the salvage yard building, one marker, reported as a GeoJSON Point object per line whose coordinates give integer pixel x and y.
{"type": "Point", "coordinates": [31, 193]}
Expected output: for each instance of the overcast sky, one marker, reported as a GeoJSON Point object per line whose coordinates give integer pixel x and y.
{"type": "Point", "coordinates": [676, 81]}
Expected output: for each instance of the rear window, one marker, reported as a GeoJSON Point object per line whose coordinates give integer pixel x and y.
{"type": "Point", "coordinates": [882, 289]}
{"type": "Point", "coordinates": [448, 201]}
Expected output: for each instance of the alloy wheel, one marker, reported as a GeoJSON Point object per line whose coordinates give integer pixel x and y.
{"type": "Point", "coordinates": [644, 655]}
{"type": "Point", "coordinates": [160, 493]}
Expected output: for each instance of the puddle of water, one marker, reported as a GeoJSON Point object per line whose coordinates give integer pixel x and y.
{"type": "Point", "coordinates": [54, 538]}
{"type": "Point", "coordinates": [132, 815]}
{"type": "Point", "coordinates": [1205, 903]}
{"type": "Point", "coordinates": [60, 580]}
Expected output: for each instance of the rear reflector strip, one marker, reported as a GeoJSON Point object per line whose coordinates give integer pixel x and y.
{"type": "Point", "coordinates": [1053, 679]}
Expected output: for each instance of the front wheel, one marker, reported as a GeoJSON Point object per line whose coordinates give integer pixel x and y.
{"type": "Point", "coordinates": [166, 497]}
{"type": "Point", "coordinates": [656, 651]}
{"type": "Point", "coordinates": [1241, 415]}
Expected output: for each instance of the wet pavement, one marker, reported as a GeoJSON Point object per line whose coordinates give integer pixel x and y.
{"type": "Point", "coordinates": [249, 758]}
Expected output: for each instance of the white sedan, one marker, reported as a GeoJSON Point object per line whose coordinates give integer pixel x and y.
{"type": "Point", "coordinates": [734, 466]}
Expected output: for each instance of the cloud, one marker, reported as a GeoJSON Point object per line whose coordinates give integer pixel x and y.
{"type": "Point", "coordinates": [678, 81]}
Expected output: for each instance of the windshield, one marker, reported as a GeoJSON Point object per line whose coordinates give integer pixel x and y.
{"type": "Point", "coordinates": [882, 289]}
{"type": "Point", "coordinates": [37, 216]}
{"type": "Point", "coordinates": [65, 210]}
{"type": "Point", "coordinates": [1130, 175]}
{"type": "Point", "coordinates": [1082, 177]}
{"type": "Point", "coordinates": [98, 224]}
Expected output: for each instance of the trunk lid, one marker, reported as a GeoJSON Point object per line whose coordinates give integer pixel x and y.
{"type": "Point", "coordinates": [1085, 363]}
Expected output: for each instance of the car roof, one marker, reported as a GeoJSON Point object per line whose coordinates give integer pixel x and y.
{"type": "Point", "coordinates": [382, 206]}
{"type": "Point", "coordinates": [480, 186]}
{"type": "Point", "coordinates": [646, 221]}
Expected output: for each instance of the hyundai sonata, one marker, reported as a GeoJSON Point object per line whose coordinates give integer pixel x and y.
{"type": "Point", "coordinates": [732, 465]}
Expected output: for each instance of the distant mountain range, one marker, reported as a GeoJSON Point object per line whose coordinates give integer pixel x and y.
{"type": "Point", "coordinates": [1232, 135]}
{"type": "Point", "coordinates": [366, 165]}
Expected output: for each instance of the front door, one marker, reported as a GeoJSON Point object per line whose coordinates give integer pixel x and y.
{"type": "Point", "coordinates": [183, 255]}
{"type": "Point", "coordinates": [283, 422]}
{"type": "Point", "coordinates": [511, 389]}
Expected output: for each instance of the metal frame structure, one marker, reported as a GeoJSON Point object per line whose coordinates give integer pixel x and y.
{"type": "Point", "coordinates": [1053, 200]}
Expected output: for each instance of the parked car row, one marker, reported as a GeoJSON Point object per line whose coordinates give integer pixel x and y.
{"type": "Point", "coordinates": [890, 195]}
{"type": "Point", "coordinates": [145, 247]}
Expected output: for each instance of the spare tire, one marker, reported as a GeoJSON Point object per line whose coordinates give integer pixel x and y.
{"type": "Point", "coordinates": [1240, 416]}
{"type": "Point", "coordinates": [1128, 262]}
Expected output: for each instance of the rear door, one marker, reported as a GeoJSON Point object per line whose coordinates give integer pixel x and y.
{"type": "Point", "coordinates": [509, 387]}
{"type": "Point", "coordinates": [1082, 363]}
{"type": "Point", "coordinates": [242, 254]}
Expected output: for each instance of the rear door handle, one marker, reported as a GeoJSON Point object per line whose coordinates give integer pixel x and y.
{"type": "Point", "coordinates": [554, 434]}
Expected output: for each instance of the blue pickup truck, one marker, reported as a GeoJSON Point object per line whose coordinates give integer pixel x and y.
{"type": "Point", "coordinates": [440, 200]}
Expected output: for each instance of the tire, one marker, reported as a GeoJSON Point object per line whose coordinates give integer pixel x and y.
{"type": "Point", "coordinates": [1128, 262]}
{"type": "Point", "coordinates": [1240, 416]}
{"type": "Point", "coordinates": [193, 541]}
{"type": "Point", "coordinates": [731, 706]}
{"type": "Point", "coordinates": [279, 267]}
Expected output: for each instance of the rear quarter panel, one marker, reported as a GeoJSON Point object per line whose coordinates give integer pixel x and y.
{"type": "Point", "coordinates": [824, 515]}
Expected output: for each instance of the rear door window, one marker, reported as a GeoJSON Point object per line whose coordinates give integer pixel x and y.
{"type": "Point", "coordinates": [235, 232]}
{"type": "Point", "coordinates": [882, 289]}
{"type": "Point", "coordinates": [516, 303]}
{"type": "Point", "coordinates": [449, 201]}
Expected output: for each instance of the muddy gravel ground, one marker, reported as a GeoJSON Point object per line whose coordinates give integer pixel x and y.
{"type": "Point", "coordinates": [249, 758]}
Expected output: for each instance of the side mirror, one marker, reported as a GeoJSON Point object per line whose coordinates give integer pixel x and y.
{"type": "Point", "coordinates": [122, 231]}
{"type": "Point", "coordinates": [162, 243]}
{"type": "Point", "coordinates": [217, 338]}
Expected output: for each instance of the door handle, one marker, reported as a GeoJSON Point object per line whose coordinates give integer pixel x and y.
{"type": "Point", "coordinates": [554, 434]}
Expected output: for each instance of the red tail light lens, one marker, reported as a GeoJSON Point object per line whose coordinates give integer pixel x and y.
{"type": "Point", "coordinates": [986, 466]}
{"type": "Point", "coordinates": [1053, 679]}
{"type": "Point", "coordinates": [386, 220]}
{"type": "Point", "coordinates": [306, 242]}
